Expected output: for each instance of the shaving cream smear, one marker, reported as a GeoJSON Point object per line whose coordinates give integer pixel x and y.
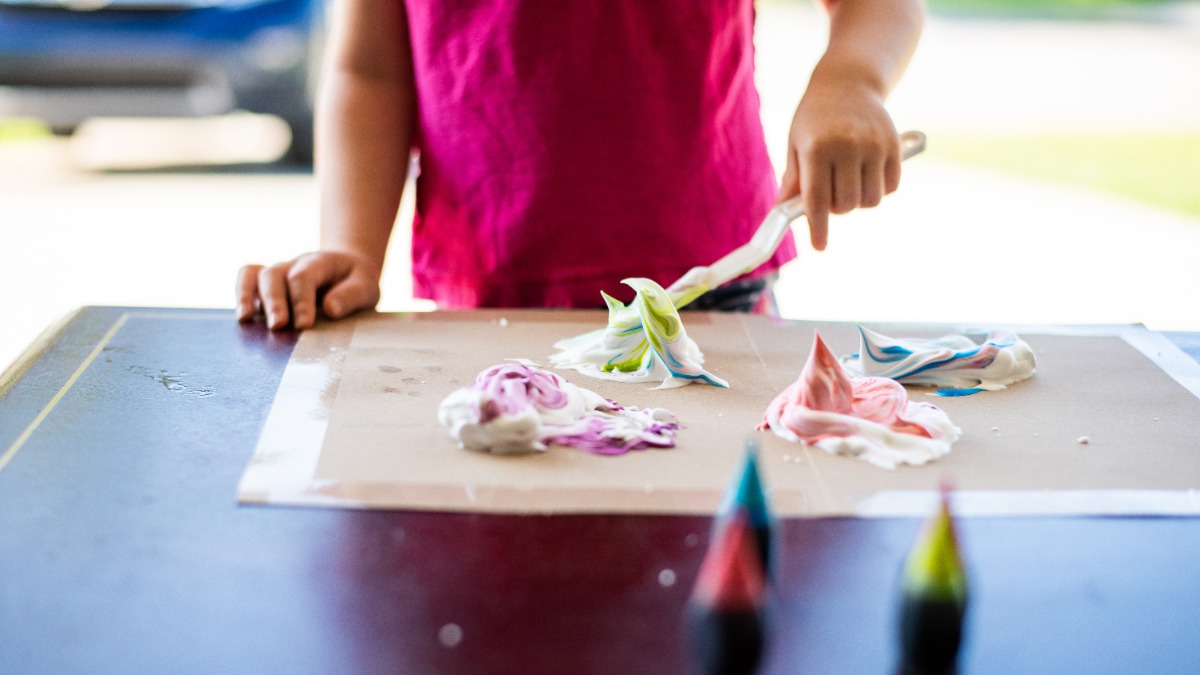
{"type": "Point", "coordinates": [516, 408]}
{"type": "Point", "coordinates": [869, 418]}
{"type": "Point", "coordinates": [643, 342]}
{"type": "Point", "coordinates": [955, 363]}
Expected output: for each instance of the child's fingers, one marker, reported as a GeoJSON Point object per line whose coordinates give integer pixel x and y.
{"type": "Point", "coordinates": [273, 293]}
{"type": "Point", "coordinates": [883, 169]}
{"type": "Point", "coordinates": [891, 172]}
{"type": "Point", "coordinates": [816, 187]}
{"type": "Point", "coordinates": [872, 186]}
{"type": "Point", "coordinates": [873, 183]}
{"type": "Point", "coordinates": [847, 184]}
{"type": "Point", "coordinates": [353, 293]}
{"type": "Point", "coordinates": [789, 185]}
{"type": "Point", "coordinates": [861, 178]}
{"type": "Point", "coordinates": [247, 292]}
{"type": "Point", "coordinates": [308, 274]}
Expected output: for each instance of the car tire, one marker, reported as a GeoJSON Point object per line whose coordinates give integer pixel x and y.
{"type": "Point", "coordinates": [300, 151]}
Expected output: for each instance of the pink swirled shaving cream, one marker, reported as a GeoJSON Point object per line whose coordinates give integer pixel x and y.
{"type": "Point", "coordinates": [869, 418]}
{"type": "Point", "coordinates": [516, 408]}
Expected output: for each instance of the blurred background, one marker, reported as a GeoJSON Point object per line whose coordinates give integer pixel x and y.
{"type": "Point", "coordinates": [149, 148]}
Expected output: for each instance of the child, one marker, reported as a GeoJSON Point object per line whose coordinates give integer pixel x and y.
{"type": "Point", "coordinates": [563, 146]}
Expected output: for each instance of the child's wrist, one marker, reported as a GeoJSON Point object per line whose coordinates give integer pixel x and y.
{"type": "Point", "coordinates": [842, 73]}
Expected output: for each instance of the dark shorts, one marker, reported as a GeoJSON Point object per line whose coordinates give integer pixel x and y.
{"type": "Point", "coordinates": [755, 296]}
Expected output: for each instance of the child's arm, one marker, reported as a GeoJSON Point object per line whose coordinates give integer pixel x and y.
{"type": "Point", "coordinates": [365, 117]}
{"type": "Point", "coordinates": [843, 150]}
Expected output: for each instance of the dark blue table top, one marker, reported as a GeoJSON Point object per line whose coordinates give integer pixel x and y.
{"type": "Point", "coordinates": [123, 549]}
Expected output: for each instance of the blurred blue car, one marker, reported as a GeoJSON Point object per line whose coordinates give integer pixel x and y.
{"type": "Point", "coordinates": [64, 61]}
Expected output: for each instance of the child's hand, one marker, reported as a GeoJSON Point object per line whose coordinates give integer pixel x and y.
{"type": "Point", "coordinates": [843, 152]}
{"type": "Point", "coordinates": [289, 291]}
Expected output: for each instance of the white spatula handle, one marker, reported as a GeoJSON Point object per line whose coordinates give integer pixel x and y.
{"type": "Point", "coordinates": [762, 245]}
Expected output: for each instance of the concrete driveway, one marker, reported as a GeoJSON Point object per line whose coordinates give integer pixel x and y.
{"type": "Point", "coordinates": [963, 244]}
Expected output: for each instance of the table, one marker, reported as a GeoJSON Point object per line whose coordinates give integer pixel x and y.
{"type": "Point", "coordinates": [122, 549]}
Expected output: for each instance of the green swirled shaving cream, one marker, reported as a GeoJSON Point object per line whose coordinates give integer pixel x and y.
{"type": "Point", "coordinates": [643, 341]}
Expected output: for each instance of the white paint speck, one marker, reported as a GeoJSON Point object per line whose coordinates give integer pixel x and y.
{"type": "Point", "coordinates": [450, 635]}
{"type": "Point", "coordinates": [503, 322]}
{"type": "Point", "coordinates": [666, 578]}
{"type": "Point", "coordinates": [691, 540]}
{"type": "Point", "coordinates": [1083, 440]}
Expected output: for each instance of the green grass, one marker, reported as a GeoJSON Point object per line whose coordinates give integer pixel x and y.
{"type": "Point", "coordinates": [1023, 9]}
{"type": "Point", "coordinates": [21, 128]}
{"type": "Point", "coordinates": [1036, 9]}
{"type": "Point", "coordinates": [1161, 170]}
{"type": "Point", "coordinates": [1050, 9]}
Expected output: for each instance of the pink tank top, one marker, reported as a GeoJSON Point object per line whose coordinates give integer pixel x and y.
{"type": "Point", "coordinates": [568, 144]}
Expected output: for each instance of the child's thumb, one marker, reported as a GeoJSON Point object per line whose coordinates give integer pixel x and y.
{"type": "Point", "coordinates": [789, 184]}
